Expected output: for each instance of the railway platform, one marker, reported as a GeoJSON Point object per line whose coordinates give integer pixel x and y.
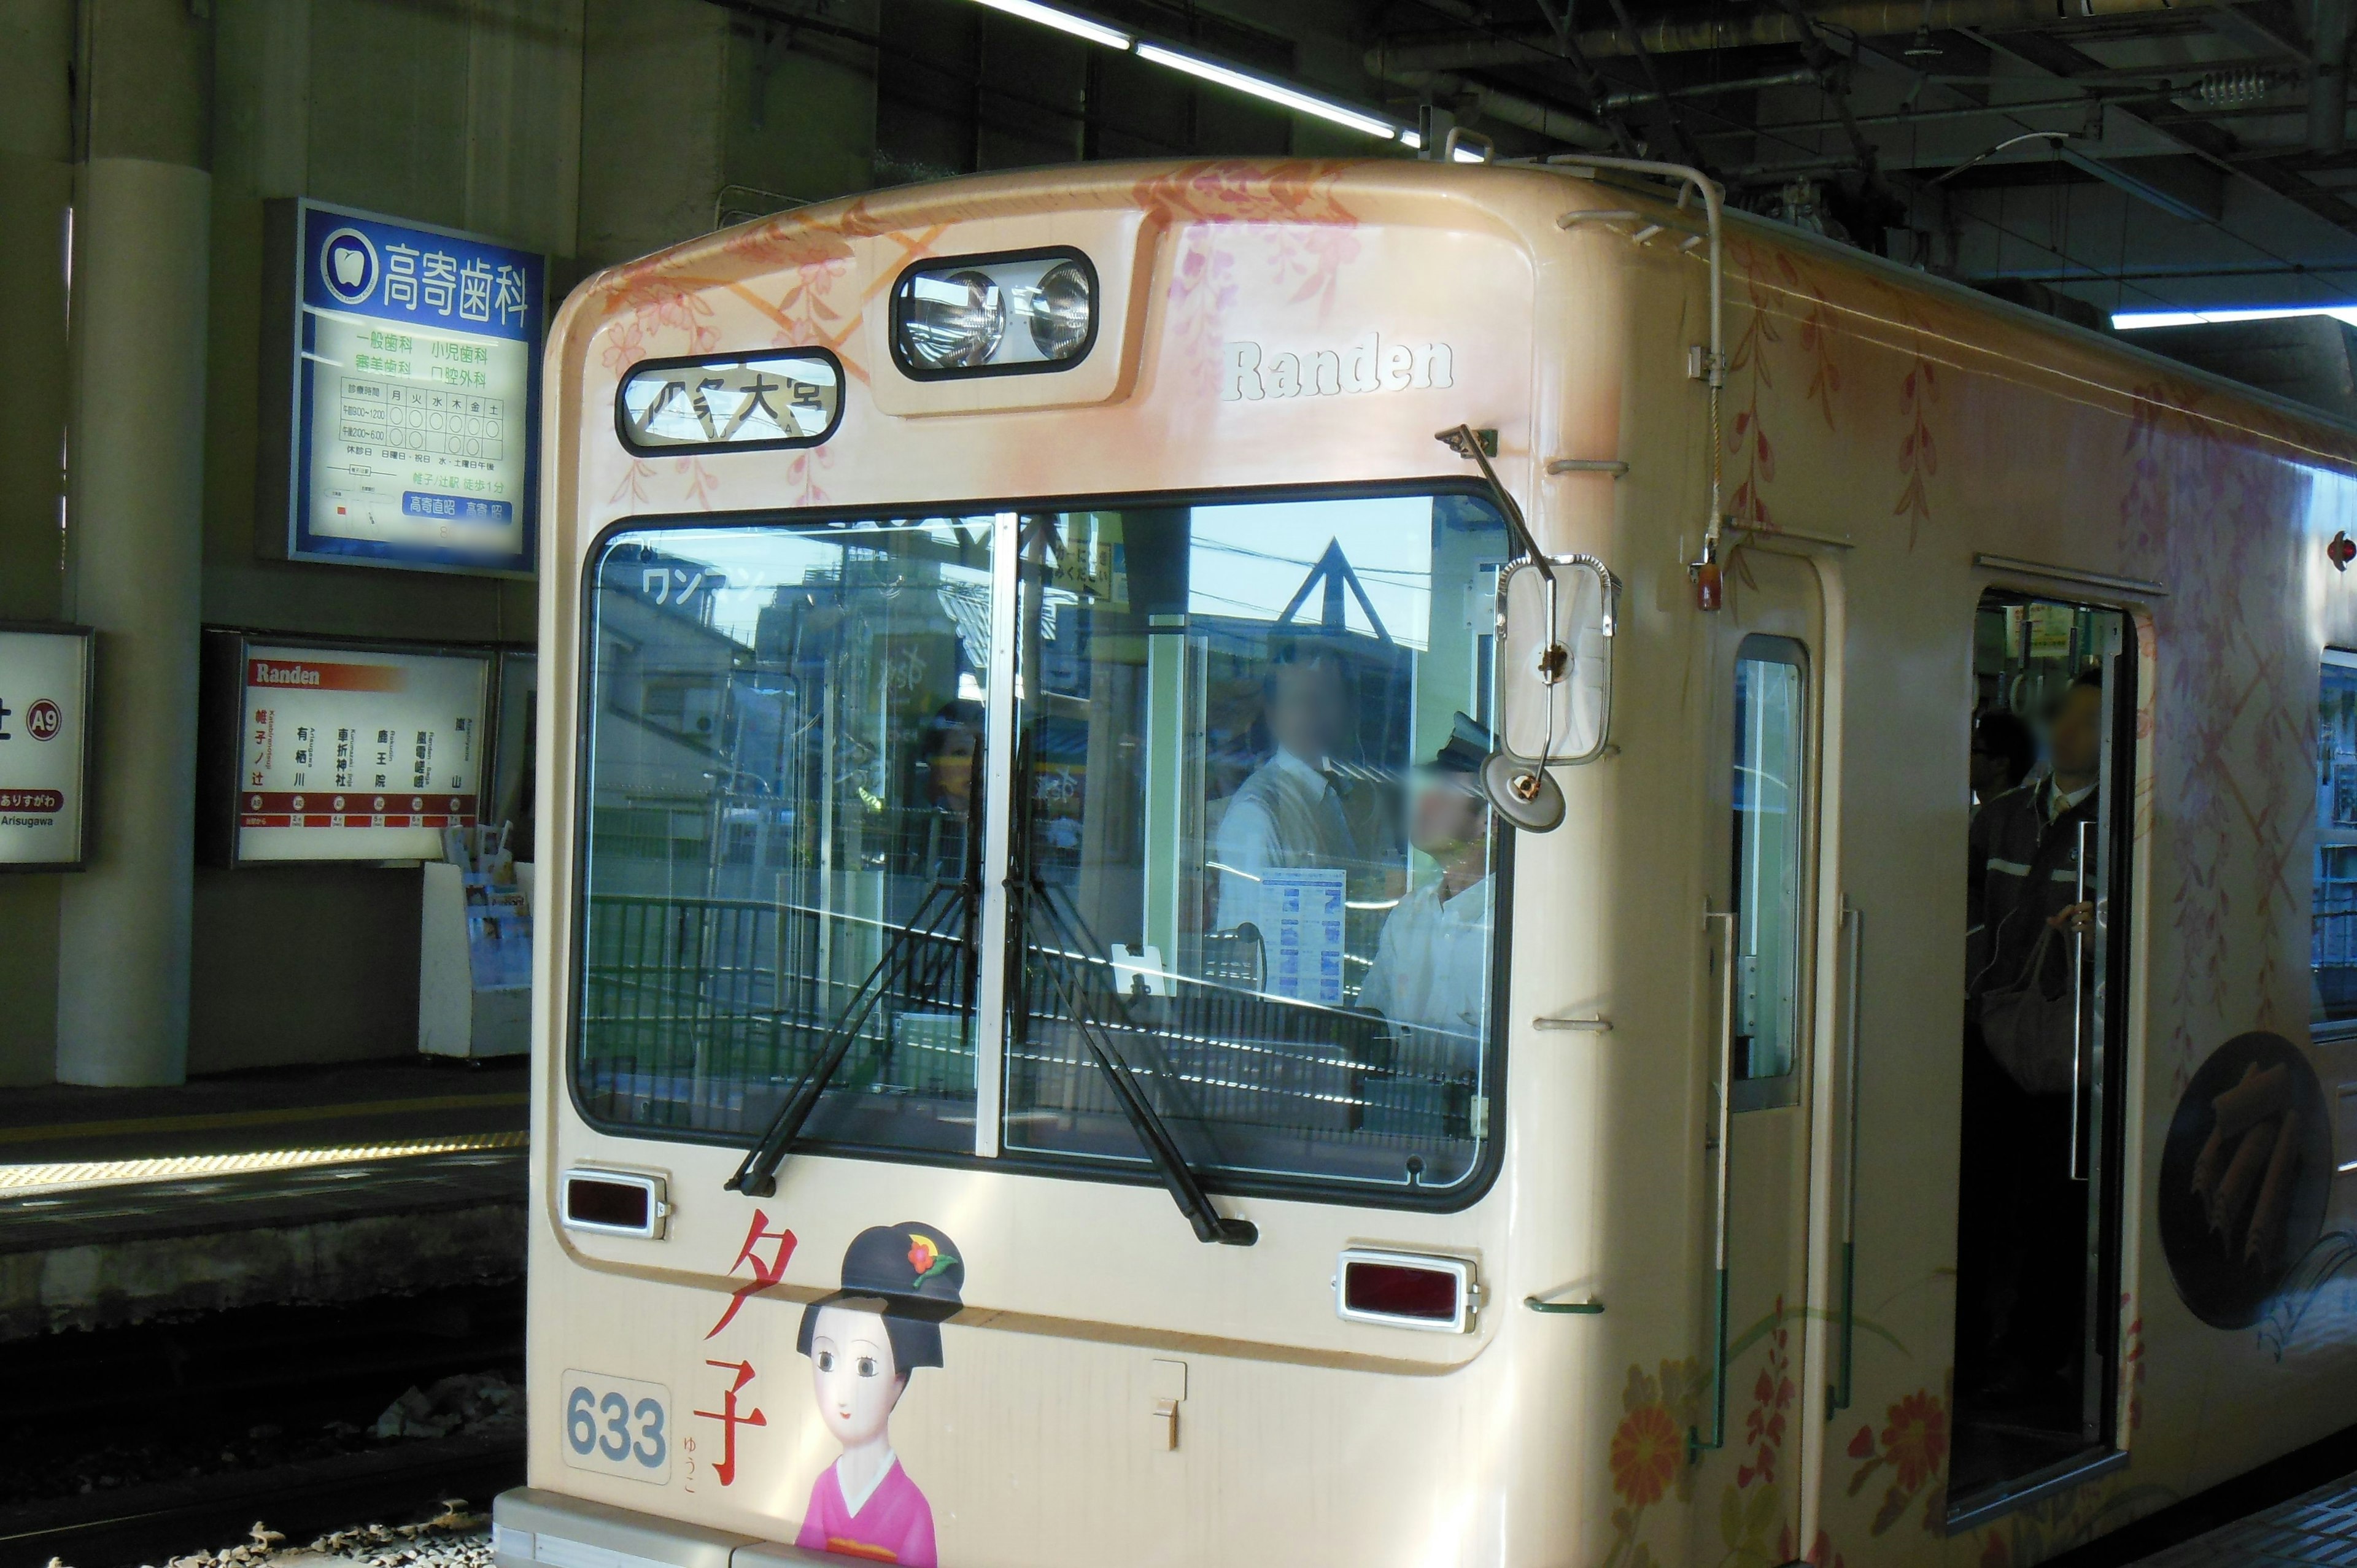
{"type": "Point", "coordinates": [300, 1185]}
{"type": "Point", "coordinates": [2318, 1527]}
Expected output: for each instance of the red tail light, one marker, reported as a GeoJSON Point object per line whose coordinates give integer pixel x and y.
{"type": "Point", "coordinates": [1405, 1290]}
{"type": "Point", "coordinates": [616, 1203]}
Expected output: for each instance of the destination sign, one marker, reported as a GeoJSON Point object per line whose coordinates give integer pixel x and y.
{"type": "Point", "coordinates": [792, 398]}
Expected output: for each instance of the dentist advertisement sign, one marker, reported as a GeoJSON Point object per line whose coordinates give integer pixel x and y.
{"type": "Point", "coordinates": [415, 388]}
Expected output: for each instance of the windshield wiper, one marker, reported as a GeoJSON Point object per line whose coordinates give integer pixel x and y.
{"type": "Point", "coordinates": [1161, 1147]}
{"type": "Point", "coordinates": [757, 1175]}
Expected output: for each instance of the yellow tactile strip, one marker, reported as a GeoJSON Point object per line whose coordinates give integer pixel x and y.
{"type": "Point", "coordinates": [14, 1179]}
{"type": "Point", "coordinates": [274, 1116]}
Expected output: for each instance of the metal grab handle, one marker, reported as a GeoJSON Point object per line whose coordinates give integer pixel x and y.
{"type": "Point", "coordinates": [1695, 1446]}
{"type": "Point", "coordinates": [2077, 1006]}
{"type": "Point", "coordinates": [1854, 927]}
{"type": "Point", "coordinates": [1589, 1308]}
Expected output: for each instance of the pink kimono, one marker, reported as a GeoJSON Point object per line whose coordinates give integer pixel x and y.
{"type": "Point", "coordinates": [894, 1524]}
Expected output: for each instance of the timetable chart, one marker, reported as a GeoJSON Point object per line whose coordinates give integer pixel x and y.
{"type": "Point", "coordinates": [410, 422]}
{"type": "Point", "coordinates": [358, 755]}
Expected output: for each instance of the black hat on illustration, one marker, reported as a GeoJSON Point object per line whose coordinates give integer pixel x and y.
{"type": "Point", "coordinates": [909, 1273]}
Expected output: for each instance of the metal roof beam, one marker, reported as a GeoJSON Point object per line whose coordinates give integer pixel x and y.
{"type": "Point", "coordinates": [1757, 27]}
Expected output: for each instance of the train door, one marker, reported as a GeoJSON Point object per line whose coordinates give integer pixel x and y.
{"type": "Point", "coordinates": [1766, 653]}
{"type": "Point", "coordinates": [2037, 1250]}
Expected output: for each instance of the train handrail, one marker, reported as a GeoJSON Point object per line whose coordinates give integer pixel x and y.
{"type": "Point", "coordinates": [1591, 1307]}
{"type": "Point", "coordinates": [1853, 920]}
{"type": "Point", "coordinates": [1695, 1446]}
{"type": "Point", "coordinates": [2079, 1171]}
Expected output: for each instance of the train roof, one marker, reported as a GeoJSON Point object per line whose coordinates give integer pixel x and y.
{"type": "Point", "coordinates": [2106, 344]}
{"type": "Point", "coordinates": [1975, 333]}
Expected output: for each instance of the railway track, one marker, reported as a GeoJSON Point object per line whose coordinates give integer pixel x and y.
{"type": "Point", "coordinates": [128, 1446]}
{"type": "Point", "coordinates": [147, 1525]}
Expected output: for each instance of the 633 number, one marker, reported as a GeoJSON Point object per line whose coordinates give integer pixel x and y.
{"type": "Point", "coordinates": [617, 1426]}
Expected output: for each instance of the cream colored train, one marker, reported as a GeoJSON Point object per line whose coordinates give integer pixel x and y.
{"type": "Point", "coordinates": [1266, 863]}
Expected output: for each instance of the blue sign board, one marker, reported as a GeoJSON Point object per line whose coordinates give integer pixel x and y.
{"type": "Point", "coordinates": [416, 396]}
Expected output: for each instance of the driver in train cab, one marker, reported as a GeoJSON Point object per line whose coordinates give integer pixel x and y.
{"type": "Point", "coordinates": [1291, 811]}
{"type": "Point", "coordinates": [2022, 1229]}
{"type": "Point", "coordinates": [1431, 968]}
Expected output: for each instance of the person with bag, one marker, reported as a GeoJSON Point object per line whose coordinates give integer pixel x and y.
{"type": "Point", "coordinates": [2023, 1222]}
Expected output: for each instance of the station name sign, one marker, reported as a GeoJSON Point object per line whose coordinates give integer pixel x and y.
{"type": "Point", "coordinates": [415, 386]}
{"type": "Point", "coordinates": [45, 699]}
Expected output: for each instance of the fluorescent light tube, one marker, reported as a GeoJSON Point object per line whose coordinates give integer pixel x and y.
{"type": "Point", "coordinates": [1290, 98]}
{"type": "Point", "coordinates": [1062, 21]}
{"type": "Point", "coordinates": [2131, 320]}
{"type": "Point", "coordinates": [1413, 140]}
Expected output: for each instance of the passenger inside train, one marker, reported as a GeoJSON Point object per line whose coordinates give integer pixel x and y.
{"type": "Point", "coordinates": [2032, 1309]}
{"type": "Point", "coordinates": [2004, 752]}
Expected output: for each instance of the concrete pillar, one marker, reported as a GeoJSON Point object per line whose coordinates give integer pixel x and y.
{"type": "Point", "coordinates": [141, 230]}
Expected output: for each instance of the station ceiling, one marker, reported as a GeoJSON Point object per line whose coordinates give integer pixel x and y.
{"type": "Point", "coordinates": [2136, 154]}
{"type": "Point", "coordinates": [2085, 155]}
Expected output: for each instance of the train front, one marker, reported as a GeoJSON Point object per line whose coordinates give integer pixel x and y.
{"type": "Point", "coordinates": [1028, 1068]}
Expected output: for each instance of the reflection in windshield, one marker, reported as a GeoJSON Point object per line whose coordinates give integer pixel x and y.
{"type": "Point", "coordinates": [1248, 861]}
{"type": "Point", "coordinates": [784, 734]}
{"type": "Point", "coordinates": [1249, 770]}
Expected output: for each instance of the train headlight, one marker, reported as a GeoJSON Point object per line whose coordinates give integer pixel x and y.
{"type": "Point", "coordinates": [1063, 311]}
{"type": "Point", "coordinates": [953, 318]}
{"type": "Point", "coordinates": [953, 321]}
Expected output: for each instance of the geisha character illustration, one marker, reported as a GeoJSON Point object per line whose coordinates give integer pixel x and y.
{"type": "Point", "coordinates": [898, 1282]}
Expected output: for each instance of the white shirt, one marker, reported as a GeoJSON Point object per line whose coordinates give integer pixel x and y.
{"type": "Point", "coordinates": [2056, 802]}
{"type": "Point", "coordinates": [1284, 815]}
{"type": "Point", "coordinates": [1432, 962]}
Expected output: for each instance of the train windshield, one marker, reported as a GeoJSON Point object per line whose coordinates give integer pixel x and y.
{"type": "Point", "coordinates": [1210, 767]}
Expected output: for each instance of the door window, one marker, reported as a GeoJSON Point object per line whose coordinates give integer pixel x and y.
{"type": "Point", "coordinates": [1770, 748]}
{"type": "Point", "coordinates": [2333, 944]}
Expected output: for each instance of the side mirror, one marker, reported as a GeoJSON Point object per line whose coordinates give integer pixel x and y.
{"type": "Point", "coordinates": [1554, 681]}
